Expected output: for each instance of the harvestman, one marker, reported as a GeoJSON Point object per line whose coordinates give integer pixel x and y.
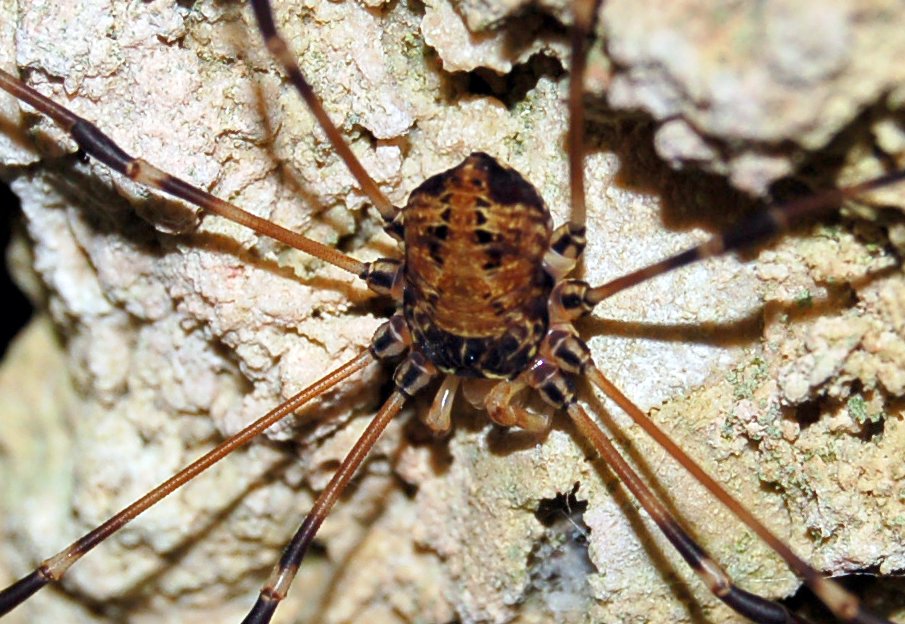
{"type": "Point", "coordinates": [380, 274]}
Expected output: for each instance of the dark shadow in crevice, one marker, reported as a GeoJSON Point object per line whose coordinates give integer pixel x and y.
{"type": "Point", "coordinates": [511, 88]}
{"type": "Point", "coordinates": [17, 309]}
{"type": "Point", "coordinates": [668, 573]}
{"type": "Point", "coordinates": [559, 564]}
{"type": "Point", "coordinates": [883, 596]}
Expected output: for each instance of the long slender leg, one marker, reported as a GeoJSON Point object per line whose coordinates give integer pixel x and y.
{"type": "Point", "coordinates": [280, 51]}
{"type": "Point", "coordinates": [566, 352]}
{"type": "Point", "coordinates": [101, 147]}
{"type": "Point", "coordinates": [574, 299]}
{"type": "Point", "coordinates": [844, 605]}
{"type": "Point", "coordinates": [51, 570]}
{"type": "Point", "coordinates": [750, 605]}
{"type": "Point", "coordinates": [755, 229]}
{"type": "Point", "coordinates": [280, 579]}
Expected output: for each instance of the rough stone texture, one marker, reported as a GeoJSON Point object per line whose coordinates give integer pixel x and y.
{"type": "Point", "coordinates": [769, 73]}
{"type": "Point", "coordinates": [782, 374]}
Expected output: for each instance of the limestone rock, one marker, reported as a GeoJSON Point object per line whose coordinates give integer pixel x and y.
{"type": "Point", "coordinates": [781, 373]}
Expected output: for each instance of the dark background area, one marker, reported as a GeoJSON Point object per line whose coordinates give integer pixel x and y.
{"type": "Point", "coordinates": [15, 308]}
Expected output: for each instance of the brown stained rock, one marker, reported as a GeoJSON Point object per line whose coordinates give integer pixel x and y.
{"type": "Point", "coordinates": [781, 374]}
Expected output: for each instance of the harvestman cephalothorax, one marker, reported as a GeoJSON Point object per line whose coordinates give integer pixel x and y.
{"type": "Point", "coordinates": [247, 359]}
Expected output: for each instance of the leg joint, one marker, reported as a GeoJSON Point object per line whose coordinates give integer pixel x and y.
{"type": "Point", "coordinates": [391, 339]}
{"type": "Point", "coordinates": [552, 385]}
{"type": "Point", "coordinates": [414, 373]}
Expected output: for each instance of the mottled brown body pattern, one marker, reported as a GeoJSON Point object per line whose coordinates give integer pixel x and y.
{"type": "Point", "coordinates": [475, 288]}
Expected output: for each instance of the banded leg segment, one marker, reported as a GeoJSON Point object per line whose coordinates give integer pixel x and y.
{"type": "Point", "coordinates": [756, 228]}
{"type": "Point", "coordinates": [280, 51]}
{"type": "Point", "coordinates": [52, 570]}
{"type": "Point", "coordinates": [566, 246]}
{"type": "Point", "coordinates": [102, 148]}
{"type": "Point", "coordinates": [844, 605]}
{"type": "Point", "coordinates": [277, 585]}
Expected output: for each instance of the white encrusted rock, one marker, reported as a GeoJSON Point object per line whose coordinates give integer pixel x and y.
{"type": "Point", "coordinates": [152, 345]}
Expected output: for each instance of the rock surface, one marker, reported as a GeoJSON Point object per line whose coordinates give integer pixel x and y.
{"type": "Point", "coordinates": [781, 374]}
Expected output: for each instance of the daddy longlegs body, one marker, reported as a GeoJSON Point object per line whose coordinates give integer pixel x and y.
{"type": "Point", "coordinates": [477, 459]}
